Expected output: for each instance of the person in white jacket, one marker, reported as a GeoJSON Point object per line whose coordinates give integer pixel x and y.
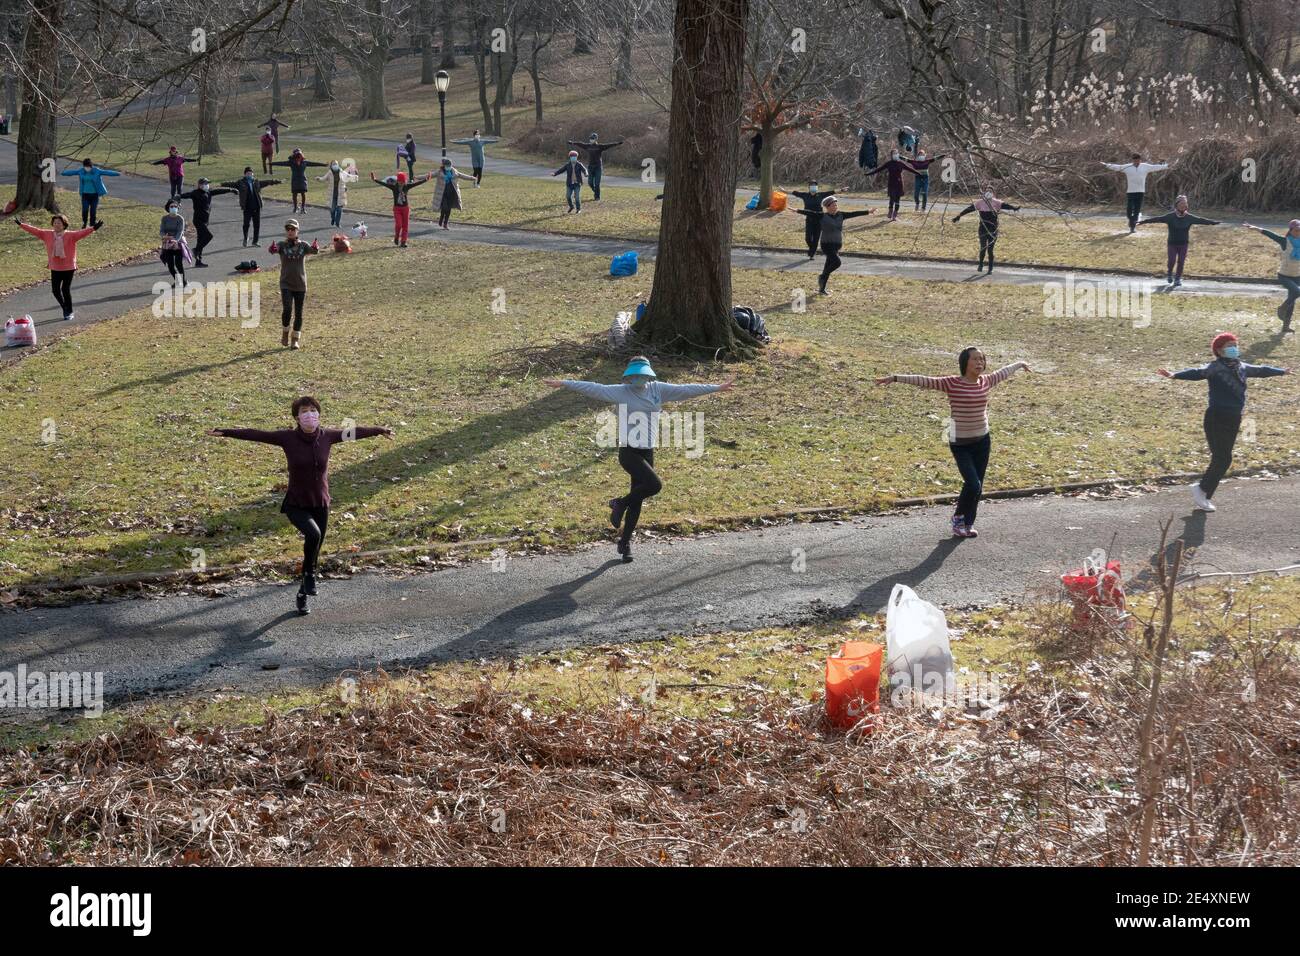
{"type": "Point", "coordinates": [340, 172]}
{"type": "Point", "coordinates": [640, 398]}
{"type": "Point", "coordinates": [1136, 174]}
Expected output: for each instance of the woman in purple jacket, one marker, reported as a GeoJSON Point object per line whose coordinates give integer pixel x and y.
{"type": "Point", "coordinates": [307, 502]}
{"type": "Point", "coordinates": [175, 164]}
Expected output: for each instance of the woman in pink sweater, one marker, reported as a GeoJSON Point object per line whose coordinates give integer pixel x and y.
{"type": "Point", "coordinates": [61, 250]}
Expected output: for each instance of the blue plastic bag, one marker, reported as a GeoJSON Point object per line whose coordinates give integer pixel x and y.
{"type": "Point", "coordinates": [640, 311]}
{"type": "Point", "coordinates": [753, 203]}
{"type": "Point", "coordinates": [623, 265]}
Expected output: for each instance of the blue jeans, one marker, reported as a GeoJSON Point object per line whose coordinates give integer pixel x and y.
{"type": "Point", "coordinates": [921, 190]}
{"type": "Point", "coordinates": [336, 215]}
{"type": "Point", "coordinates": [1292, 287]}
{"type": "Point", "coordinates": [972, 461]}
{"type": "Point", "coordinates": [89, 203]}
{"type": "Point", "coordinates": [593, 180]}
{"type": "Point", "coordinates": [573, 194]}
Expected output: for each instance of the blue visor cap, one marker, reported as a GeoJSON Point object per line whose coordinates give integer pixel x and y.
{"type": "Point", "coordinates": [640, 368]}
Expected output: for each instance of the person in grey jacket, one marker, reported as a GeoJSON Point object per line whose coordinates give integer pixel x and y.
{"type": "Point", "coordinates": [640, 399]}
{"type": "Point", "coordinates": [476, 144]}
{"type": "Point", "coordinates": [574, 174]}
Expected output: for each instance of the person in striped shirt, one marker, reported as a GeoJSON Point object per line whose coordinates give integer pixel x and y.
{"type": "Point", "coordinates": [968, 428]}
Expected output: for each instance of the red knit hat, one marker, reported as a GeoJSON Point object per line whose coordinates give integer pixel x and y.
{"type": "Point", "coordinates": [401, 177]}
{"type": "Point", "coordinates": [1220, 340]}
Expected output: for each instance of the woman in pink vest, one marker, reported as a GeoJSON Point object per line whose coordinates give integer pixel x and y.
{"type": "Point", "coordinates": [61, 250]}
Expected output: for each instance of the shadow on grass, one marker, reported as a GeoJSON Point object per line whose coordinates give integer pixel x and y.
{"type": "Point", "coordinates": [171, 378]}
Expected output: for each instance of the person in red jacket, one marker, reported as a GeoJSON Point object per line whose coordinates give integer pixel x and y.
{"type": "Point", "coordinates": [307, 501]}
{"type": "Point", "coordinates": [268, 149]}
{"type": "Point", "coordinates": [400, 188]}
{"type": "Point", "coordinates": [61, 254]}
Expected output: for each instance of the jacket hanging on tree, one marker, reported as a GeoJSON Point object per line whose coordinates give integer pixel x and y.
{"type": "Point", "coordinates": [869, 152]}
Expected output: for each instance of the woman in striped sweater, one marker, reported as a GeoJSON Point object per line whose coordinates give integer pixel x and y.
{"type": "Point", "coordinates": [967, 430]}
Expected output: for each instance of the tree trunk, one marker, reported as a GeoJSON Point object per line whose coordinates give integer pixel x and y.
{"type": "Point", "coordinates": [209, 113]}
{"type": "Point", "coordinates": [425, 28]}
{"type": "Point", "coordinates": [11, 97]}
{"type": "Point", "coordinates": [766, 156]}
{"type": "Point", "coordinates": [690, 302]}
{"type": "Point", "coordinates": [323, 84]}
{"type": "Point", "coordinates": [374, 99]}
{"type": "Point", "coordinates": [535, 71]}
{"type": "Point", "coordinates": [623, 65]}
{"type": "Point", "coordinates": [277, 95]}
{"type": "Point", "coordinates": [584, 35]}
{"type": "Point", "coordinates": [37, 136]}
{"type": "Point", "coordinates": [448, 61]}
{"type": "Point", "coordinates": [482, 67]}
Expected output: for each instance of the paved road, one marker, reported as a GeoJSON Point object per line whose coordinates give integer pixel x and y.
{"type": "Point", "coordinates": [738, 580]}
{"type": "Point", "coordinates": [114, 291]}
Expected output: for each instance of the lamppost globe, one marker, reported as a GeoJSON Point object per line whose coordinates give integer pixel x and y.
{"type": "Point", "coordinates": [441, 80]}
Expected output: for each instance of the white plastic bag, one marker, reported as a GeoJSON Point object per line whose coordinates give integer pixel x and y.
{"type": "Point", "coordinates": [20, 332]}
{"type": "Point", "coordinates": [619, 330]}
{"type": "Point", "coordinates": [360, 231]}
{"type": "Point", "coordinates": [916, 642]}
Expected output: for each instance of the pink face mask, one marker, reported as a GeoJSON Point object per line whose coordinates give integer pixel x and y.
{"type": "Point", "coordinates": [309, 419]}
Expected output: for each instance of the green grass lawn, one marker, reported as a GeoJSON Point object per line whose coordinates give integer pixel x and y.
{"type": "Point", "coordinates": [484, 449]}
{"type": "Point", "coordinates": [130, 230]}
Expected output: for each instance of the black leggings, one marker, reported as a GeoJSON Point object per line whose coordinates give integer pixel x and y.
{"type": "Point", "coordinates": [61, 286]}
{"type": "Point", "coordinates": [291, 301]}
{"type": "Point", "coordinates": [812, 233]}
{"type": "Point", "coordinates": [988, 238]}
{"type": "Point", "coordinates": [205, 236]}
{"type": "Point", "coordinates": [1134, 208]}
{"type": "Point", "coordinates": [252, 217]}
{"type": "Point", "coordinates": [639, 463]}
{"type": "Point", "coordinates": [972, 461]}
{"type": "Point", "coordinates": [175, 260]}
{"type": "Point", "coordinates": [89, 203]}
{"type": "Point", "coordinates": [894, 203]}
{"type": "Point", "coordinates": [444, 208]}
{"type": "Point", "coordinates": [1221, 427]}
{"type": "Point", "coordinates": [832, 252]}
{"type": "Point", "coordinates": [311, 524]}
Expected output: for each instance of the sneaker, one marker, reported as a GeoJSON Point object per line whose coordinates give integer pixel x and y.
{"type": "Point", "coordinates": [972, 533]}
{"type": "Point", "coordinates": [1199, 499]}
{"type": "Point", "coordinates": [1169, 279]}
{"type": "Point", "coordinates": [199, 264]}
{"type": "Point", "coordinates": [1177, 283]}
{"type": "Point", "coordinates": [69, 317]}
{"type": "Point", "coordinates": [625, 549]}
{"type": "Point", "coordinates": [959, 527]}
{"type": "Point", "coordinates": [309, 584]}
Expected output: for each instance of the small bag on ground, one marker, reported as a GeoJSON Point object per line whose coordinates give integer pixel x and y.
{"type": "Point", "coordinates": [624, 264]}
{"type": "Point", "coordinates": [342, 243]}
{"type": "Point", "coordinates": [751, 322]}
{"type": "Point", "coordinates": [920, 657]}
{"type": "Point", "coordinates": [853, 683]}
{"type": "Point", "coordinates": [20, 331]}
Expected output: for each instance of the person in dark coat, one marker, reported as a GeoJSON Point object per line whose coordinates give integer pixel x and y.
{"type": "Point", "coordinates": [298, 164]}
{"type": "Point", "coordinates": [202, 200]}
{"type": "Point", "coordinates": [812, 204]}
{"type": "Point", "coordinates": [250, 200]}
{"type": "Point", "coordinates": [869, 151]}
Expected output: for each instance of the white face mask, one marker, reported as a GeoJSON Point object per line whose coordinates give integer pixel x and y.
{"type": "Point", "coordinates": [988, 197]}
{"type": "Point", "coordinates": [205, 187]}
{"type": "Point", "coordinates": [334, 167]}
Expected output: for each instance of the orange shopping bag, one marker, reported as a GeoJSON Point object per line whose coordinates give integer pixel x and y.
{"type": "Point", "coordinates": [853, 683]}
{"type": "Point", "coordinates": [779, 200]}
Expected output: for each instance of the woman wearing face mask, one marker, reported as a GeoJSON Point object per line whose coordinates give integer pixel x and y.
{"type": "Point", "coordinates": [202, 200]}
{"type": "Point", "coordinates": [1227, 376]}
{"type": "Point", "coordinates": [921, 181]}
{"type": "Point", "coordinates": [307, 502]}
{"type": "Point", "coordinates": [250, 200]}
{"type": "Point", "coordinates": [175, 164]}
{"type": "Point", "coordinates": [400, 189]}
{"type": "Point", "coordinates": [639, 399]}
{"type": "Point", "coordinates": [812, 205]}
{"type": "Point", "coordinates": [92, 187]}
{"type": "Point", "coordinates": [293, 253]}
{"type": "Point", "coordinates": [1180, 223]}
{"type": "Point", "coordinates": [968, 428]}
{"type": "Point", "coordinates": [338, 176]}
{"type": "Point", "coordinates": [298, 165]}
{"type": "Point", "coordinates": [408, 151]}
{"type": "Point", "coordinates": [831, 225]}
{"type": "Point", "coordinates": [476, 154]}
{"type": "Point", "coordinates": [1288, 270]}
{"type": "Point", "coordinates": [61, 256]}
{"type": "Point", "coordinates": [574, 174]}
{"type": "Point", "coordinates": [174, 251]}
{"type": "Point", "coordinates": [988, 206]}
{"type": "Point", "coordinates": [448, 197]}
{"type": "Point", "coordinates": [894, 167]}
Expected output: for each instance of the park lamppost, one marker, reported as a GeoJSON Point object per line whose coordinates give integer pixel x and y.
{"type": "Point", "coordinates": [441, 81]}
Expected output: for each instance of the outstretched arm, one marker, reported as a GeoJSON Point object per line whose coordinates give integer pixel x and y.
{"type": "Point", "coordinates": [970, 208]}
{"type": "Point", "coordinates": [676, 393]}
{"type": "Point", "coordinates": [358, 432]}
{"type": "Point", "coordinates": [1011, 206]}
{"type": "Point", "coordinates": [1280, 240]}
{"type": "Point", "coordinates": [251, 434]}
{"type": "Point", "coordinates": [937, 382]}
{"type": "Point", "coordinates": [606, 393]}
{"type": "Point", "coordinates": [1156, 219]}
{"type": "Point", "coordinates": [1263, 371]}
{"type": "Point", "coordinates": [856, 213]}
{"type": "Point", "coordinates": [1004, 373]}
{"type": "Point", "coordinates": [1195, 374]}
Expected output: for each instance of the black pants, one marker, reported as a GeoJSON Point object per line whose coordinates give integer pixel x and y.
{"type": "Point", "coordinates": [311, 524]}
{"type": "Point", "coordinates": [478, 174]}
{"type": "Point", "coordinates": [1134, 210]}
{"type": "Point", "coordinates": [812, 233]}
{"type": "Point", "coordinates": [89, 204]}
{"type": "Point", "coordinates": [972, 461]}
{"type": "Point", "coordinates": [1221, 427]}
{"type": "Point", "coordinates": [61, 286]}
{"type": "Point", "coordinates": [988, 238]}
{"type": "Point", "coordinates": [291, 301]}
{"type": "Point", "coordinates": [894, 203]}
{"type": "Point", "coordinates": [175, 260]}
{"type": "Point", "coordinates": [253, 217]}
{"type": "Point", "coordinates": [444, 208]}
{"type": "Point", "coordinates": [205, 236]}
{"type": "Point", "coordinates": [639, 463]}
{"type": "Point", "coordinates": [832, 252]}
{"type": "Point", "coordinates": [177, 184]}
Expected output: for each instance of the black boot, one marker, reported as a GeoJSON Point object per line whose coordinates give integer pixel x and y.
{"type": "Point", "coordinates": [309, 584]}
{"type": "Point", "coordinates": [625, 549]}
{"type": "Point", "coordinates": [302, 603]}
{"type": "Point", "coordinates": [616, 509]}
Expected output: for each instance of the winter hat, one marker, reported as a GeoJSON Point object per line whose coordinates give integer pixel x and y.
{"type": "Point", "coordinates": [639, 365]}
{"type": "Point", "coordinates": [1221, 340]}
{"type": "Point", "coordinates": [291, 223]}
{"type": "Point", "coordinates": [1294, 224]}
{"type": "Point", "coordinates": [593, 137]}
{"type": "Point", "coordinates": [573, 154]}
{"type": "Point", "coordinates": [827, 201]}
{"type": "Point", "coordinates": [401, 178]}
{"type": "Point", "coordinates": [204, 179]}
{"type": "Point", "coordinates": [297, 151]}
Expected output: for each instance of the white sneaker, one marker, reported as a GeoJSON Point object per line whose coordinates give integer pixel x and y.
{"type": "Point", "coordinates": [1198, 498]}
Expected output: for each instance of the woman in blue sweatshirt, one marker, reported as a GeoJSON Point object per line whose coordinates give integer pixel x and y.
{"type": "Point", "coordinates": [1227, 376]}
{"type": "Point", "coordinates": [639, 398]}
{"type": "Point", "coordinates": [92, 187]}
